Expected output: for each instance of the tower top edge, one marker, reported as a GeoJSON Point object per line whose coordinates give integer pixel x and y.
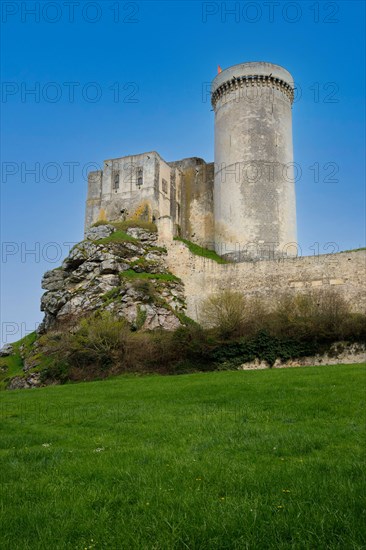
{"type": "Point", "coordinates": [252, 68]}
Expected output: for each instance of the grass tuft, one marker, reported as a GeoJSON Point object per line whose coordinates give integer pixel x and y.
{"type": "Point", "coordinates": [118, 236]}
{"type": "Point", "coordinates": [201, 251]}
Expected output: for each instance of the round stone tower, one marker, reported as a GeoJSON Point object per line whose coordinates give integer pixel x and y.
{"type": "Point", "coordinates": [254, 193]}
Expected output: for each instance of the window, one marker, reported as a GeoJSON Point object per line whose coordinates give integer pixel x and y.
{"type": "Point", "coordinates": [140, 177]}
{"type": "Point", "coordinates": [164, 185]}
{"type": "Point", "coordinates": [116, 182]}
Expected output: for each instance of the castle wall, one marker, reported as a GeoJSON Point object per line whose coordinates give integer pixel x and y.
{"type": "Point", "coordinates": [197, 220]}
{"type": "Point", "coordinates": [344, 272]}
{"type": "Point", "coordinates": [142, 186]}
{"type": "Point", "coordinates": [129, 197]}
{"type": "Point", "coordinates": [94, 197]}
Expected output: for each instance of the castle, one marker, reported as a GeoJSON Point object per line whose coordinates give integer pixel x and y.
{"type": "Point", "coordinates": [242, 205]}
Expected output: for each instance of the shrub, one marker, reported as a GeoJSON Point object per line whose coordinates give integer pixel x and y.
{"type": "Point", "coordinates": [318, 316]}
{"type": "Point", "coordinates": [100, 342]}
{"type": "Point", "coordinates": [55, 371]}
{"type": "Point", "coordinates": [152, 351]}
{"type": "Point", "coordinates": [100, 339]}
{"type": "Point", "coordinates": [236, 331]}
{"type": "Point", "coordinates": [262, 346]}
{"type": "Point", "coordinates": [354, 327]}
{"type": "Point", "coordinates": [192, 342]}
{"type": "Point", "coordinates": [225, 313]}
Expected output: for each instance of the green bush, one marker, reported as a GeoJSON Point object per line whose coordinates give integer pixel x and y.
{"type": "Point", "coordinates": [55, 371]}
{"type": "Point", "coordinates": [225, 312]}
{"type": "Point", "coordinates": [264, 347]}
{"type": "Point", "coordinates": [237, 331]}
{"type": "Point", "coordinates": [323, 316]}
{"type": "Point", "coordinates": [317, 316]}
{"type": "Point", "coordinates": [98, 344]}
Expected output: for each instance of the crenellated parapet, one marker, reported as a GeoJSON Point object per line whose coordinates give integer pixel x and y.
{"type": "Point", "coordinates": [250, 81]}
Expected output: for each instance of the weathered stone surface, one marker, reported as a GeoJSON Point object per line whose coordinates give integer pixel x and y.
{"type": "Point", "coordinates": [6, 350]}
{"type": "Point", "coordinates": [142, 235]}
{"type": "Point", "coordinates": [132, 247]}
{"type": "Point", "coordinates": [53, 280]}
{"type": "Point", "coordinates": [99, 232]}
{"type": "Point", "coordinates": [80, 253]}
{"type": "Point", "coordinates": [53, 301]}
{"type": "Point", "coordinates": [20, 383]}
{"type": "Point", "coordinates": [109, 266]}
{"type": "Point", "coordinates": [166, 320]}
{"type": "Point", "coordinates": [268, 279]}
{"type": "Point", "coordinates": [91, 278]}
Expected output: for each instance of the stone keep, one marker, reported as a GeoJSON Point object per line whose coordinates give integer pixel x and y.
{"type": "Point", "coordinates": [243, 205]}
{"type": "Point", "coordinates": [254, 195]}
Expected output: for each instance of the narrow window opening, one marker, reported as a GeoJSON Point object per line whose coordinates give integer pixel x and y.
{"type": "Point", "coordinates": [116, 182]}
{"type": "Point", "coordinates": [140, 177]}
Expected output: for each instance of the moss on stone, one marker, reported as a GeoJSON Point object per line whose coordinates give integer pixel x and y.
{"type": "Point", "coordinates": [201, 251]}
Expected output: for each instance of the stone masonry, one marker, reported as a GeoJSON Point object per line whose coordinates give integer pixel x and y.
{"type": "Point", "coordinates": [243, 204]}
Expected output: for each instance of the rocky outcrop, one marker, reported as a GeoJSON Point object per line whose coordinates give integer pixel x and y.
{"type": "Point", "coordinates": [124, 274]}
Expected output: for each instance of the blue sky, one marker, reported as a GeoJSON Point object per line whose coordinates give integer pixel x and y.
{"type": "Point", "coordinates": [113, 78]}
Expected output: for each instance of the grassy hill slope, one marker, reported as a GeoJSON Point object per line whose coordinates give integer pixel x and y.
{"type": "Point", "coordinates": [223, 460]}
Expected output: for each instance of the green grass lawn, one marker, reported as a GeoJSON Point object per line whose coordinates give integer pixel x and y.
{"type": "Point", "coordinates": [222, 460]}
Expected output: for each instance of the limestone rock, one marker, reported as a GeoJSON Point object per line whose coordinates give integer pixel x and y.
{"type": "Point", "coordinates": [79, 254]}
{"type": "Point", "coordinates": [31, 381]}
{"type": "Point", "coordinates": [99, 232]}
{"type": "Point", "coordinates": [6, 350]}
{"type": "Point", "coordinates": [52, 302]}
{"type": "Point", "coordinates": [53, 280]}
{"type": "Point", "coordinates": [142, 235]}
{"type": "Point", "coordinates": [92, 278]}
{"type": "Point", "coordinates": [109, 266]}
